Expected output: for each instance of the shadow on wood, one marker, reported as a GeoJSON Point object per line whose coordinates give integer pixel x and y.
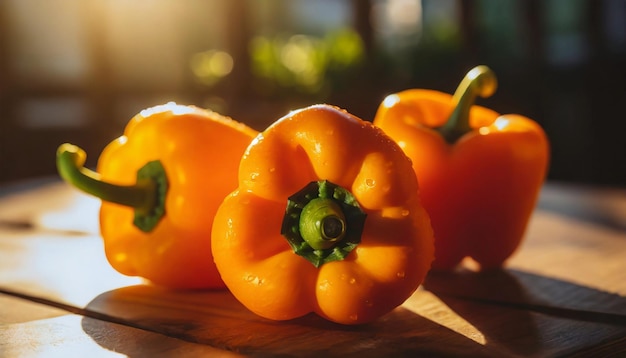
{"type": "Point", "coordinates": [522, 301]}
{"type": "Point", "coordinates": [218, 320]}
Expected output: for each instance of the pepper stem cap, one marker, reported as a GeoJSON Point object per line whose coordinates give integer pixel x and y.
{"type": "Point", "coordinates": [323, 222]}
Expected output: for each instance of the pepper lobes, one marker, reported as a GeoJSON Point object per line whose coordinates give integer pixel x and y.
{"type": "Point", "coordinates": [161, 184]}
{"type": "Point", "coordinates": [480, 172]}
{"type": "Point", "coordinates": [369, 199]}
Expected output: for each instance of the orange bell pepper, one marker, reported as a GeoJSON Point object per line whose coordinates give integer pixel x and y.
{"type": "Point", "coordinates": [480, 172]}
{"type": "Point", "coordinates": [161, 184]}
{"type": "Point", "coordinates": [326, 219]}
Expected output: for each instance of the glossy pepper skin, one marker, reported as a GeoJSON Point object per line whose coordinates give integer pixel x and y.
{"type": "Point", "coordinates": [480, 173]}
{"type": "Point", "coordinates": [199, 151]}
{"type": "Point", "coordinates": [258, 264]}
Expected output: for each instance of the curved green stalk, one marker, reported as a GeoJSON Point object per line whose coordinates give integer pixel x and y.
{"type": "Point", "coordinates": [480, 81]}
{"type": "Point", "coordinates": [146, 196]}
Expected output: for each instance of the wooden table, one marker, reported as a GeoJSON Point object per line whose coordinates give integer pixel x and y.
{"type": "Point", "coordinates": [562, 294]}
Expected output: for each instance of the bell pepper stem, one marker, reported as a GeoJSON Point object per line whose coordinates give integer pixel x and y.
{"type": "Point", "coordinates": [146, 196]}
{"type": "Point", "coordinates": [323, 222]}
{"type": "Point", "coordinates": [479, 81]}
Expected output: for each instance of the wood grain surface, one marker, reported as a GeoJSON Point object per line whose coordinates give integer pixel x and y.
{"type": "Point", "coordinates": [563, 293]}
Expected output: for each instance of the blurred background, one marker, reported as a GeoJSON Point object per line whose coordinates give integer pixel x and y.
{"type": "Point", "coordinates": [77, 71]}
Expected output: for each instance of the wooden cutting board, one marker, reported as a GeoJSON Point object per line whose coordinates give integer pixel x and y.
{"type": "Point", "coordinates": [563, 293]}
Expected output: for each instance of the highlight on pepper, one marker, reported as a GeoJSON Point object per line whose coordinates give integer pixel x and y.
{"type": "Point", "coordinates": [161, 183]}
{"type": "Point", "coordinates": [480, 172]}
{"type": "Point", "coordinates": [326, 219]}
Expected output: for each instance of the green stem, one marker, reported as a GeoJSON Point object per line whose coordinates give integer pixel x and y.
{"type": "Point", "coordinates": [146, 196]}
{"type": "Point", "coordinates": [323, 222]}
{"type": "Point", "coordinates": [479, 81]}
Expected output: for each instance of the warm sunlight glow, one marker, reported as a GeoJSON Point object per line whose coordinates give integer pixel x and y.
{"type": "Point", "coordinates": [176, 109]}
{"type": "Point", "coordinates": [211, 66]}
{"type": "Point", "coordinates": [501, 123]}
{"type": "Point", "coordinates": [69, 229]}
{"type": "Point", "coordinates": [398, 17]}
{"type": "Point", "coordinates": [303, 61]}
{"type": "Point", "coordinates": [429, 306]}
{"type": "Point", "coordinates": [82, 219]}
{"type": "Point", "coordinates": [391, 100]}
